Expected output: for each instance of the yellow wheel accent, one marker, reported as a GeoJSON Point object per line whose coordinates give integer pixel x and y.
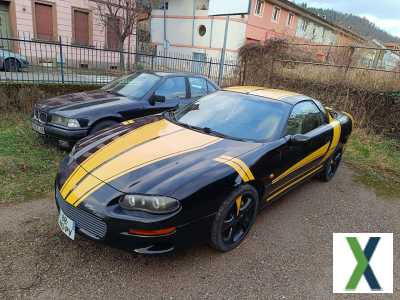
{"type": "Point", "coordinates": [238, 204]}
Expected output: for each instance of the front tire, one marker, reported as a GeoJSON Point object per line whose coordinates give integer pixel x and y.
{"type": "Point", "coordinates": [12, 65]}
{"type": "Point", "coordinates": [234, 218]}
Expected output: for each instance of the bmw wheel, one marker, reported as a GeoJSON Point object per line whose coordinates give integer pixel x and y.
{"type": "Point", "coordinates": [234, 218]}
{"type": "Point", "coordinates": [12, 65]}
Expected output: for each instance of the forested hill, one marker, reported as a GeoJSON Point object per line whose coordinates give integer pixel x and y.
{"type": "Point", "coordinates": [357, 24]}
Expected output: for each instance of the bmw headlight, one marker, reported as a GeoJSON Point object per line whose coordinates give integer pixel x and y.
{"type": "Point", "coordinates": [151, 204]}
{"type": "Point", "coordinates": [66, 122]}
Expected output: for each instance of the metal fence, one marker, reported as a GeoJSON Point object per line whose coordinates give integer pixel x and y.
{"type": "Point", "coordinates": [34, 61]}
{"type": "Point", "coordinates": [361, 66]}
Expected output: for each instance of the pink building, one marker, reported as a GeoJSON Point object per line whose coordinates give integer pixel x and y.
{"type": "Point", "coordinates": [268, 20]}
{"type": "Point", "coordinates": [76, 21]}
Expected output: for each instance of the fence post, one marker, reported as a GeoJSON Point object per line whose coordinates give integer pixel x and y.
{"type": "Point", "coordinates": [209, 68]}
{"type": "Point", "coordinates": [61, 62]}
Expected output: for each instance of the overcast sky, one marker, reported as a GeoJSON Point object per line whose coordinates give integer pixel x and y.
{"type": "Point", "coordinates": [384, 13]}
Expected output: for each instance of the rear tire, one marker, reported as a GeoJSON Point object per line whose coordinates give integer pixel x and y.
{"type": "Point", "coordinates": [103, 125]}
{"type": "Point", "coordinates": [234, 218]}
{"type": "Point", "coordinates": [12, 65]}
{"type": "Point", "coordinates": [331, 166]}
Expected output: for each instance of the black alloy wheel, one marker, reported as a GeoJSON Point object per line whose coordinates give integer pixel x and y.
{"type": "Point", "coordinates": [12, 65]}
{"type": "Point", "coordinates": [331, 166]}
{"type": "Point", "coordinates": [234, 219]}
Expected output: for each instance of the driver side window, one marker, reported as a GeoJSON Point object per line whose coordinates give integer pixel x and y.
{"type": "Point", "coordinates": [173, 88]}
{"type": "Point", "coordinates": [305, 117]}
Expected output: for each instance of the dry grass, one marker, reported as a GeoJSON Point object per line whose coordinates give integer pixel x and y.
{"type": "Point", "coordinates": [378, 161]}
{"type": "Point", "coordinates": [372, 80]}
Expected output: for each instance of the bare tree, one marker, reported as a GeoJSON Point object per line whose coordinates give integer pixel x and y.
{"type": "Point", "coordinates": [122, 17]}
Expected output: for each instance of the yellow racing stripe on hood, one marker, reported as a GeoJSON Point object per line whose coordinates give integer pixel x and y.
{"type": "Point", "coordinates": [143, 154]}
{"type": "Point", "coordinates": [135, 137]}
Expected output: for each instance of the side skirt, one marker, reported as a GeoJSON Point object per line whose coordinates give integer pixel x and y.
{"type": "Point", "coordinates": [291, 185]}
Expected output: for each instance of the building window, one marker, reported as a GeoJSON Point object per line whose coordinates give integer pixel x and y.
{"type": "Point", "coordinates": [304, 25]}
{"type": "Point", "coordinates": [290, 19]}
{"type": "Point", "coordinates": [112, 40]}
{"type": "Point", "coordinates": [202, 30]}
{"type": "Point", "coordinates": [81, 27]}
{"type": "Point", "coordinates": [258, 11]}
{"type": "Point", "coordinates": [44, 21]}
{"type": "Point", "coordinates": [202, 4]}
{"type": "Point", "coordinates": [276, 11]}
{"type": "Point", "coordinates": [162, 5]}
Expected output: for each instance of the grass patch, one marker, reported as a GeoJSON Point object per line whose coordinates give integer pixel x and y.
{"type": "Point", "coordinates": [28, 164]}
{"type": "Point", "coordinates": [378, 161]}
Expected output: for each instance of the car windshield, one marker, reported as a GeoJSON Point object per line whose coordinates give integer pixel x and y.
{"type": "Point", "coordinates": [133, 86]}
{"type": "Point", "coordinates": [237, 116]}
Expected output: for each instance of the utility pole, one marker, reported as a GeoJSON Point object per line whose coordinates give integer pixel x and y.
{"type": "Point", "coordinates": [223, 51]}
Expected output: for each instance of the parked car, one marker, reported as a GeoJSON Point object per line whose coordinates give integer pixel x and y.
{"type": "Point", "coordinates": [200, 173]}
{"type": "Point", "coordinates": [12, 62]}
{"type": "Point", "coordinates": [71, 117]}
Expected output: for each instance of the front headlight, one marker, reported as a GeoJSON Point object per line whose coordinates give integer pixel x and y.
{"type": "Point", "coordinates": [67, 122]}
{"type": "Point", "coordinates": [152, 204]}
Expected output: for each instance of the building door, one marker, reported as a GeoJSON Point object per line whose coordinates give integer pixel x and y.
{"type": "Point", "coordinates": [5, 28]}
{"type": "Point", "coordinates": [198, 64]}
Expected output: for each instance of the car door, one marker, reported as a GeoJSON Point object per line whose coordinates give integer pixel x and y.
{"type": "Point", "coordinates": [173, 91]}
{"type": "Point", "coordinates": [308, 137]}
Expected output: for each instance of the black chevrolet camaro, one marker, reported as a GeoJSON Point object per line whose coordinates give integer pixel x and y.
{"type": "Point", "coordinates": [199, 174]}
{"type": "Point", "coordinates": [71, 117]}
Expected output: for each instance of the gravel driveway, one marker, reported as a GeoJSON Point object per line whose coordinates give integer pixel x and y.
{"type": "Point", "coordinates": [287, 254]}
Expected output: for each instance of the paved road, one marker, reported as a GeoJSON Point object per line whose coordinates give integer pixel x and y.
{"type": "Point", "coordinates": [287, 255]}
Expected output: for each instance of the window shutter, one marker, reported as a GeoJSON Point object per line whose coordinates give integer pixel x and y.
{"type": "Point", "coordinates": [44, 21]}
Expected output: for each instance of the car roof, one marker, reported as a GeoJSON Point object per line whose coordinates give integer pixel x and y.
{"type": "Point", "coordinates": [276, 94]}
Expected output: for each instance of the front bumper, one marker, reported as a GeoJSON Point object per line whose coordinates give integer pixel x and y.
{"type": "Point", "coordinates": [60, 133]}
{"type": "Point", "coordinates": [114, 231]}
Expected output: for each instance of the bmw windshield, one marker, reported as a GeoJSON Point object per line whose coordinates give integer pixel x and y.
{"type": "Point", "coordinates": [133, 86]}
{"type": "Point", "coordinates": [236, 116]}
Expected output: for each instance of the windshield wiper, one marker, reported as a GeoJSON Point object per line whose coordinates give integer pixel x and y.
{"type": "Point", "coordinates": [206, 130]}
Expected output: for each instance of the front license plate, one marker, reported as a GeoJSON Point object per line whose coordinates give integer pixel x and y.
{"type": "Point", "coordinates": [67, 225]}
{"type": "Point", "coordinates": [38, 128]}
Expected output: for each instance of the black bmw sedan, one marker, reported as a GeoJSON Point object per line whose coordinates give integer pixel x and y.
{"type": "Point", "coordinates": [69, 118]}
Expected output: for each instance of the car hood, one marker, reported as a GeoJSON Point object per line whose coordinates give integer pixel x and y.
{"type": "Point", "coordinates": [157, 158]}
{"type": "Point", "coordinates": [67, 104]}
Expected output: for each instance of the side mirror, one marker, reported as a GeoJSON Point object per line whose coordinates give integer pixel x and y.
{"type": "Point", "coordinates": [299, 139]}
{"type": "Point", "coordinates": [156, 98]}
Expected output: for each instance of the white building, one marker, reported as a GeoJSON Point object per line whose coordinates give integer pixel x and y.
{"type": "Point", "coordinates": [190, 31]}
